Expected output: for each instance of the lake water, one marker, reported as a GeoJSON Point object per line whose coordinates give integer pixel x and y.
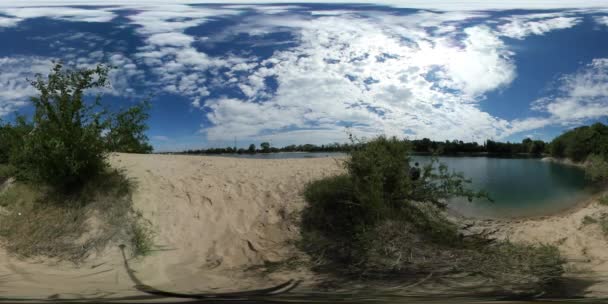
{"type": "Point", "coordinates": [519, 186]}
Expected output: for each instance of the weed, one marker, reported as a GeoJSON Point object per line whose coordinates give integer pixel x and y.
{"type": "Point", "coordinates": [587, 220]}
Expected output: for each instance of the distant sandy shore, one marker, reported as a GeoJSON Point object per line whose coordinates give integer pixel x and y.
{"type": "Point", "coordinates": [216, 217]}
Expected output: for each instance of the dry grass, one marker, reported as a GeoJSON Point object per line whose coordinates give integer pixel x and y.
{"type": "Point", "coordinates": [39, 223]}
{"type": "Point", "coordinates": [603, 200]}
{"type": "Point", "coordinates": [588, 220]}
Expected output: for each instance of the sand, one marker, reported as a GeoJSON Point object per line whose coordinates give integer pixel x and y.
{"type": "Point", "coordinates": [214, 218]}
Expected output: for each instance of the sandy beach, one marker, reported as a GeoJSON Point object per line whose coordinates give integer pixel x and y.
{"type": "Point", "coordinates": [215, 217]}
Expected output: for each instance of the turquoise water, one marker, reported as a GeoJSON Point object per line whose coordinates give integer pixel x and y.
{"type": "Point", "coordinates": [520, 187]}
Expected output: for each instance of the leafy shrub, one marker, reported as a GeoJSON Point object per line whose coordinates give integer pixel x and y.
{"type": "Point", "coordinates": [65, 146]}
{"type": "Point", "coordinates": [12, 137]}
{"type": "Point", "coordinates": [66, 143]}
{"type": "Point", "coordinates": [377, 188]}
{"type": "Point", "coordinates": [376, 221]}
{"type": "Point", "coordinates": [127, 130]}
{"type": "Point", "coordinates": [596, 168]}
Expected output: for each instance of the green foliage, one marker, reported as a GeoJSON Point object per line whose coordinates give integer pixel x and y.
{"type": "Point", "coordinates": [377, 188]}
{"type": "Point", "coordinates": [596, 168]}
{"type": "Point", "coordinates": [375, 220]}
{"type": "Point", "coordinates": [65, 144]}
{"type": "Point", "coordinates": [251, 149]}
{"type": "Point", "coordinates": [127, 130]}
{"type": "Point", "coordinates": [265, 147]}
{"type": "Point", "coordinates": [579, 143]}
{"type": "Point", "coordinates": [12, 138]}
{"type": "Point", "coordinates": [6, 171]}
{"type": "Point", "coordinates": [603, 200]}
{"type": "Point", "coordinates": [142, 239]}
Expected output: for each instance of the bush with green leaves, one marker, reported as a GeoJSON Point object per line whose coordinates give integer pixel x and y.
{"type": "Point", "coordinates": [69, 136]}
{"type": "Point", "coordinates": [376, 188]}
{"type": "Point", "coordinates": [127, 130]}
{"type": "Point", "coordinates": [375, 219]}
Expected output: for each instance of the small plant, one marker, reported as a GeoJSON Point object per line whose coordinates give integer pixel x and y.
{"type": "Point", "coordinates": [142, 240]}
{"type": "Point", "coordinates": [587, 220]}
{"type": "Point", "coordinates": [603, 200]}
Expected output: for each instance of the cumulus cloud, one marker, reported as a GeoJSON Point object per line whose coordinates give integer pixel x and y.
{"type": "Point", "coordinates": [359, 72]}
{"type": "Point", "coordinates": [9, 22]}
{"type": "Point", "coordinates": [61, 13]}
{"type": "Point", "coordinates": [422, 74]}
{"type": "Point", "coordinates": [603, 20]}
{"type": "Point", "coordinates": [580, 96]}
{"type": "Point", "coordinates": [460, 5]}
{"type": "Point", "coordinates": [15, 90]}
{"type": "Point", "coordinates": [519, 27]}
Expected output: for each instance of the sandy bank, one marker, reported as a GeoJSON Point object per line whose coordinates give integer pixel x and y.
{"type": "Point", "coordinates": [212, 217]}
{"type": "Point", "coordinates": [584, 246]}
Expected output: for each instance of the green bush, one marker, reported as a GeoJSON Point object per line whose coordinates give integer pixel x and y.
{"type": "Point", "coordinates": [596, 168]}
{"type": "Point", "coordinates": [375, 221]}
{"type": "Point", "coordinates": [127, 130]}
{"type": "Point", "coordinates": [66, 143]}
{"type": "Point", "coordinates": [12, 137]}
{"type": "Point", "coordinates": [376, 188]}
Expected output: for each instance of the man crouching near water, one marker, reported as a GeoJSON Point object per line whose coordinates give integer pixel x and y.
{"type": "Point", "coordinates": [415, 172]}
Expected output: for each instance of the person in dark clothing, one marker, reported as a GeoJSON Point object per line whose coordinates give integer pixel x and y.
{"type": "Point", "coordinates": [415, 172]}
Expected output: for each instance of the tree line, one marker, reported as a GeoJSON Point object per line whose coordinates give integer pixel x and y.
{"type": "Point", "coordinates": [425, 145]}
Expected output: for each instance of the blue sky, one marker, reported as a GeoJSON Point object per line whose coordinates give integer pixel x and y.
{"type": "Point", "coordinates": [307, 72]}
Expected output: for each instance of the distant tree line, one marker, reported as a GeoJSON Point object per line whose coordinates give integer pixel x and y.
{"type": "Point", "coordinates": [423, 146]}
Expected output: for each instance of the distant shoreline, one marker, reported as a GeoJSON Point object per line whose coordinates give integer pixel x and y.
{"type": "Point", "coordinates": [459, 154]}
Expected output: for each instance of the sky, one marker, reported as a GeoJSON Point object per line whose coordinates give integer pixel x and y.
{"type": "Point", "coordinates": [309, 72]}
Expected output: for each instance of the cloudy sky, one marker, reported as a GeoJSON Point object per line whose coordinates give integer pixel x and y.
{"type": "Point", "coordinates": [306, 72]}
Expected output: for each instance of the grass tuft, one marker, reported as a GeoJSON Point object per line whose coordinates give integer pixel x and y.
{"type": "Point", "coordinates": [587, 220]}
{"type": "Point", "coordinates": [603, 200]}
{"type": "Point", "coordinates": [42, 222]}
{"type": "Point", "coordinates": [142, 240]}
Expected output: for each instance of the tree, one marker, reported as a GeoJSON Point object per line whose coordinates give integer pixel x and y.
{"type": "Point", "coordinates": [127, 130]}
{"type": "Point", "coordinates": [251, 149]}
{"type": "Point", "coordinates": [265, 147]}
{"type": "Point", "coordinates": [66, 146]}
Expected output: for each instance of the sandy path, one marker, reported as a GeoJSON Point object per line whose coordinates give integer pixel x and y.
{"type": "Point", "coordinates": [212, 216]}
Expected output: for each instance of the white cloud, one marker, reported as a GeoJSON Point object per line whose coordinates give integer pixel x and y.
{"type": "Point", "coordinates": [445, 5]}
{"type": "Point", "coordinates": [581, 96]}
{"type": "Point", "coordinates": [9, 22]}
{"type": "Point", "coordinates": [360, 72]}
{"type": "Point", "coordinates": [62, 13]}
{"type": "Point", "coordinates": [603, 20]}
{"type": "Point", "coordinates": [482, 65]}
{"type": "Point", "coordinates": [519, 27]}
{"type": "Point", "coordinates": [15, 90]}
